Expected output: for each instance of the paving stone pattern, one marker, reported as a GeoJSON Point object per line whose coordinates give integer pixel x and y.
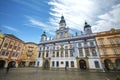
{"type": "Point", "coordinates": [39, 74]}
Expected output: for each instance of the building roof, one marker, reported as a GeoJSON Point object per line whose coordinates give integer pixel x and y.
{"type": "Point", "coordinates": [13, 36]}
{"type": "Point", "coordinates": [109, 32]}
{"type": "Point", "coordinates": [31, 43]}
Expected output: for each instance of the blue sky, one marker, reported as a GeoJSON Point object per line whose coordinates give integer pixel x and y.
{"type": "Point", "coordinates": [27, 19]}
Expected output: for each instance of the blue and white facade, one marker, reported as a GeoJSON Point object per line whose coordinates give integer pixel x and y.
{"type": "Point", "coordinates": [79, 52]}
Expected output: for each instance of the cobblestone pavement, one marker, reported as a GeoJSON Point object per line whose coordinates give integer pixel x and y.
{"type": "Point", "coordinates": [38, 74]}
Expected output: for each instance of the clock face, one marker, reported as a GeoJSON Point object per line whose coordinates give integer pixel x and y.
{"type": "Point", "coordinates": [62, 24]}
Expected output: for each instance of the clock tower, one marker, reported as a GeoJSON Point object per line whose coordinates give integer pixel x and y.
{"type": "Point", "coordinates": [62, 32]}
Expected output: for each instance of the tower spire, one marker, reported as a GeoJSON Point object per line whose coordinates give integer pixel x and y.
{"type": "Point", "coordinates": [62, 22]}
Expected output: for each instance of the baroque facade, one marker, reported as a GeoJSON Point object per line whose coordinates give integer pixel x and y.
{"type": "Point", "coordinates": [66, 51]}
{"type": "Point", "coordinates": [10, 51]}
{"type": "Point", "coordinates": [109, 47]}
{"type": "Point", "coordinates": [28, 55]}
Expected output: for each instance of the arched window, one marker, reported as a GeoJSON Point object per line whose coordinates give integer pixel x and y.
{"type": "Point", "coordinates": [97, 64]}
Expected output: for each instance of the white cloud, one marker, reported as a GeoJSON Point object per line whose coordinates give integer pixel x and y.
{"type": "Point", "coordinates": [11, 28]}
{"type": "Point", "coordinates": [108, 20]}
{"type": "Point", "coordinates": [101, 14]}
{"type": "Point", "coordinates": [41, 25]}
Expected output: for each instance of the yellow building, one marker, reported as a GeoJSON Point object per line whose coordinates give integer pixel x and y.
{"type": "Point", "coordinates": [10, 51]}
{"type": "Point", "coordinates": [109, 48]}
{"type": "Point", "coordinates": [29, 54]}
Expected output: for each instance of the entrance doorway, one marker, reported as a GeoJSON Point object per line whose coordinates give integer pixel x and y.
{"type": "Point", "coordinates": [12, 64]}
{"type": "Point", "coordinates": [67, 64]}
{"type": "Point", "coordinates": [31, 64]}
{"type": "Point", "coordinates": [46, 64]}
{"type": "Point", "coordinates": [108, 64]}
{"type": "Point", "coordinates": [2, 63]}
{"type": "Point", "coordinates": [82, 64]}
{"type": "Point", "coordinates": [117, 62]}
{"type": "Point", "coordinates": [22, 64]}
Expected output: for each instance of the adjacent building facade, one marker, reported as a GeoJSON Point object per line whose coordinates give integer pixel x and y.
{"type": "Point", "coordinates": [29, 54]}
{"type": "Point", "coordinates": [109, 47]}
{"type": "Point", "coordinates": [10, 51]}
{"type": "Point", "coordinates": [66, 51]}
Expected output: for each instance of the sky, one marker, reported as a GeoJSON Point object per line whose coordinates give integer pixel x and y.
{"type": "Point", "coordinates": [28, 19]}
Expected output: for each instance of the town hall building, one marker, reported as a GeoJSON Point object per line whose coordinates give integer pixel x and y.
{"type": "Point", "coordinates": [66, 51]}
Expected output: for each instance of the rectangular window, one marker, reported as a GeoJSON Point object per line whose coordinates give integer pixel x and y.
{"type": "Point", "coordinates": [81, 52]}
{"type": "Point", "coordinates": [85, 43]}
{"type": "Point", "coordinates": [79, 45]}
{"type": "Point", "coordinates": [13, 54]}
{"type": "Point", "coordinates": [111, 41]}
{"type": "Point", "coordinates": [66, 47]}
{"type": "Point", "coordinates": [57, 48]}
{"type": "Point", "coordinates": [57, 64]}
{"type": "Point", "coordinates": [15, 47]}
{"type": "Point", "coordinates": [46, 54]}
{"type": "Point", "coordinates": [18, 48]}
{"type": "Point", "coordinates": [53, 63]}
{"type": "Point", "coordinates": [97, 64]}
{"type": "Point", "coordinates": [87, 52]}
{"type": "Point", "coordinates": [71, 53]}
{"type": "Point", "coordinates": [10, 47]}
{"type": "Point", "coordinates": [115, 51]}
{"type": "Point", "coordinates": [66, 52]}
{"type": "Point", "coordinates": [3, 53]}
{"type": "Point", "coordinates": [91, 43]}
{"type": "Point", "coordinates": [94, 53]}
{"type": "Point", "coordinates": [117, 41]}
{"type": "Point", "coordinates": [40, 48]}
{"type": "Point", "coordinates": [72, 63]}
{"type": "Point", "coordinates": [7, 53]}
{"type": "Point", "coordinates": [101, 42]}
{"type": "Point", "coordinates": [5, 45]}
{"type": "Point", "coordinates": [16, 55]}
{"type": "Point", "coordinates": [57, 53]}
{"type": "Point", "coordinates": [43, 54]}
{"type": "Point", "coordinates": [67, 64]}
{"type": "Point", "coordinates": [39, 54]}
{"type": "Point", "coordinates": [53, 54]}
{"type": "Point", "coordinates": [104, 52]}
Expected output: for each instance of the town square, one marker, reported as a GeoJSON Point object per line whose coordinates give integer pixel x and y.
{"type": "Point", "coordinates": [60, 40]}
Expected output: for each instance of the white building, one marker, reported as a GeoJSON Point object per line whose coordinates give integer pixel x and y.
{"type": "Point", "coordinates": [78, 52]}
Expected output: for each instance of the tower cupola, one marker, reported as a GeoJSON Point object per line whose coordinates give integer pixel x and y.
{"type": "Point", "coordinates": [87, 28]}
{"type": "Point", "coordinates": [43, 36]}
{"type": "Point", "coordinates": [62, 22]}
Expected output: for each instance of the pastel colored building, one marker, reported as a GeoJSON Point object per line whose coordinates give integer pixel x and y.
{"type": "Point", "coordinates": [10, 51]}
{"type": "Point", "coordinates": [29, 54]}
{"type": "Point", "coordinates": [109, 47]}
{"type": "Point", "coordinates": [77, 51]}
